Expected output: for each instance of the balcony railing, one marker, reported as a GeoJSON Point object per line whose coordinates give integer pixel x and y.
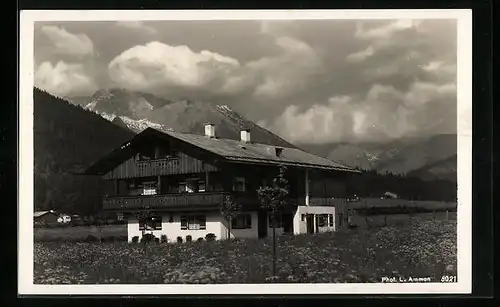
{"type": "Point", "coordinates": [202, 200]}
{"type": "Point", "coordinates": [175, 201]}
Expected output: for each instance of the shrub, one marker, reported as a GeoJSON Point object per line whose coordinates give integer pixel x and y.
{"type": "Point", "coordinates": [210, 237]}
{"type": "Point", "coordinates": [163, 238]}
{"type": "Point", "coordinates": [135, 239]}
{"type": "Point", "coordinates": [179, 239]}
{"type": "Point", "coordinates": [199, 240]}
{"type": "Point", "coordinates": [157, 240]}
{"type": "Point", "coordinates": [148, 238]}
{"type": "Point", "coordinates": [189, 238]}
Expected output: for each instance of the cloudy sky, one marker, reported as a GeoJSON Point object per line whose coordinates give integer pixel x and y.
{"type": "Point", "coordinates": [312, 81]}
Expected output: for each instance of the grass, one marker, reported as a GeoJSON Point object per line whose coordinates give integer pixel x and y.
{"type": "Point", "coordinates": [419, 246]}
{"type": "Point", "coordinates": [78, 232]}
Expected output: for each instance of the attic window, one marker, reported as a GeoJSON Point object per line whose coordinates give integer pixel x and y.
{"type": "Point", "coordinates": [279, 151]}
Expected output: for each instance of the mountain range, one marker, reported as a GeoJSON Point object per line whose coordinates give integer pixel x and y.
{"type": "Point", "coordinates": [426, 157]}
{"type": "Point", "coordinates": [70, 136]}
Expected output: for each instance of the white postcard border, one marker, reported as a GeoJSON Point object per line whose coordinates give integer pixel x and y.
{"type": "Point", "coordinates": [464, 160]}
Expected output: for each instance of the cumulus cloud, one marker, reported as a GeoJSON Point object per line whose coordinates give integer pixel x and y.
{"type": "Point", "coordinates": [309, 80]}
{"type": "Point", "coordinates": [384, 112]}
{"type": "Point", "coordinates": [159, 67]}
{"type": "Point", "coordinates": [137, 26]}
{"type": "Point", "coordinates": [64, 79]}
{"type": "Point", "coordinates": [385, 31]}
{"type": "Point", "coordinates": [66, 43]}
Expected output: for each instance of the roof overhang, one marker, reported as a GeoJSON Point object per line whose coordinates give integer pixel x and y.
{"type": "Point", "coordinates": [288, 163]}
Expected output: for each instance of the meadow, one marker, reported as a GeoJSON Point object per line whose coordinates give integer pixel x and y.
{"type": "Point", "coordinates": [422, 245]}
{"type": "Point", "coordinates": [43, 234]}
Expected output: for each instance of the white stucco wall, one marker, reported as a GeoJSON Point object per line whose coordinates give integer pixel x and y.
{"type": "Point", "coordinates": [173, 230]}
{"type": "Point", "coordinates": [216, 224]}
{"type": "Point", "coordinates": [300, 227]}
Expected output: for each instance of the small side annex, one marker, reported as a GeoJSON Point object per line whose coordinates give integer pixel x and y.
{"type": "Point", "coordinates": [181, 180]}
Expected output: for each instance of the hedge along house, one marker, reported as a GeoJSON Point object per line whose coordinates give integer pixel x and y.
{"type": "Point", "coordinates": [181, 180]}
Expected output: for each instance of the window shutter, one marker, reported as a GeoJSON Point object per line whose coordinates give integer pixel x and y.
{"type": "Point", "coordinates": [184, 222]}
{"type": "Point", "coordinates": [331, 220]}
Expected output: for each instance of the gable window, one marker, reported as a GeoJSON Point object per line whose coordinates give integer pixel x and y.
{"type": "Point", "coordinates": [193, 222]}
{"type": "Point", "coordinates": [149, 188]}
{"type": "Point", "coordinates": [242, 221]}
{"type": "Point", "coordinates": [192, 185]}
{"type": "Point", "coordinates": [239, 184]}
{"type": "Point", "coordinates": [279, 221]}
{"type": "Point", "coordinates": [151, 223]}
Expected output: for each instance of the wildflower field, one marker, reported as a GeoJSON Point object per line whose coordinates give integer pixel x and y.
{"type": "Point", "coordinates": [416, 246]}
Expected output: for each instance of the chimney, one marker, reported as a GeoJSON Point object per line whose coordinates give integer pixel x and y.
{"type": "Point", "coordinates": [245, 135]}
{"type": "Point", "coordinates": [279, 151]}
{"type": "Point", "coordinates": [210, 130]}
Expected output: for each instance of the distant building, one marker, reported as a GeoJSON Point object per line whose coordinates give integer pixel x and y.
{"type": "Point", "coordinates": [182, 179]}
{"type": "Point", "coordinates": [390, 195]}
{"type": "Point", "coordinates": [64, 218]}
{"type": "Point", "coordinates": [45, 217]}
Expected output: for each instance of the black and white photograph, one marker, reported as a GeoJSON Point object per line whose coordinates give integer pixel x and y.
{"type": "Point", "coordinates": [245, 152]}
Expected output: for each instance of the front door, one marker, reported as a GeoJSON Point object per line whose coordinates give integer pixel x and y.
{"type": "Point", "coordinates": [262, 224]}
{"type": "Point", "coordinates": [310, 223]}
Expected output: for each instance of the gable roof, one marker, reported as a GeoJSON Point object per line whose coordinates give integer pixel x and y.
{"type": "Point", "coordinates": [227, 149]}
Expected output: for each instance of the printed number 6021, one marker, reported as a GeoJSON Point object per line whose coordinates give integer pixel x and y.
{"type": "Point", "coordinates": [448, 279]}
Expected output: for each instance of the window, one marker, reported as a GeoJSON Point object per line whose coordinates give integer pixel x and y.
{"type": "Point", "coordinates": [279, 221]}
{"type": "Point", "coordinates": [303, 217]}
{"type": "Point", "coordinates": [331, 220]}
{"type": "Point", "coordinates": [149, 188]}
{"type": "Point", "coordinates": [191, 186]}
{"type": "Point", "coordinates": [322, 220]}
{"type": "Point", "coordinates": [193, 222]}
{"type": "Point", "coordinates": [151, 223]}
{"type": "Point", "coordinates": [239, 184]}
{"type": "Point", "coordinates": [201, 186]}
{"type": "Point", "coordinates": [242, 221]}
{"type": "Point", "coordinates": [171, 219]}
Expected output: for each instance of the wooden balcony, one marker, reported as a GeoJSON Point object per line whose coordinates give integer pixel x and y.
{"type": "Point", "coordinates": [181, 201]}
{"type": "Point", "coordinates": [171, 166]}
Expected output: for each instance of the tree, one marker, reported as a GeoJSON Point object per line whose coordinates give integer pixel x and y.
{"type": "Point", "coordinates": [229, 210]}
{"type": "Point", "coordinates": [144, 215]}
{"type": "Point", "coordinates": [273, 199]}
